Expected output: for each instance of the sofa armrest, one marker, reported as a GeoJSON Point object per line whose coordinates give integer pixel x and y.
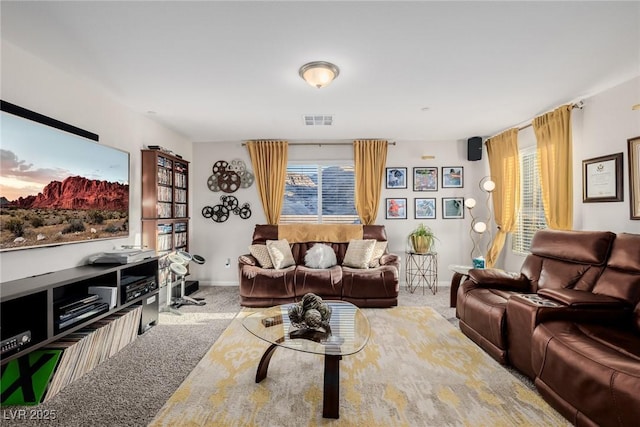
{"type": "Point", "coordinates": [388, 259]}
{"type": "Point", "coordinates": [583, 299]}
{"type": "Point", "coordinates": [496, 278]}
{"type": "Point", "coordinates": [247, 259]}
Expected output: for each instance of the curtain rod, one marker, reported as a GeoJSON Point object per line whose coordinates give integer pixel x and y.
{"type": "Point", "coordinates": [324, 143]}
{"type": "Point", "coordinates": [578, 105]}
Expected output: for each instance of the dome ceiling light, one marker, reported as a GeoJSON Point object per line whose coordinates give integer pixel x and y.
{"type": "Point", "coordinates": [319, 73]}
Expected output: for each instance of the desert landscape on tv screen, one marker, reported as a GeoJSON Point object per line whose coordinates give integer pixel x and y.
{"type": "Point", "coordinates": [56, 187]}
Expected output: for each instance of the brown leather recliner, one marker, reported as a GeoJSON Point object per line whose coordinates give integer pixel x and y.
{"type": "Point", "coordinates": [371, 287]}
{"type": "Point", "coordinates": [588, 368]}
{"type": "Point", "coordinates": [558, 260]}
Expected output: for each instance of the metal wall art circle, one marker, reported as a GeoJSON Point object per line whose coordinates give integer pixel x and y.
{"type": "Point", "coordinates": [228, 177]}
{"type": "Point", "coordinates": [228, 205]}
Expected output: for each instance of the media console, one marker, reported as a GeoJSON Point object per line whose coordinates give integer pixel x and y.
{"type": "Point", "coordinates": [30, 308]}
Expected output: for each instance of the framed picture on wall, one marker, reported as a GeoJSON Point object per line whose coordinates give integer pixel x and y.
{"type": "Point", "coordinates": [602, 179]}
{"type": "Point", "coordinates": [396, 208]}
{"type": "Point", "coordinates": [425, 208]}
{"type": "Point", "coordinates": [452, 177]}
{"type": "Point", "coordinates": [453, 207]}
{"type": "Point", "coordinates": [425, 179]}
{"type": "Point", "coordinates": [634, 176]}
{"type": "Point", "coordinates": [396, 178]}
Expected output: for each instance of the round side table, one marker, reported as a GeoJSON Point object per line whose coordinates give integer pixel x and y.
{"type": "Point", "coordinates": [421, 270]}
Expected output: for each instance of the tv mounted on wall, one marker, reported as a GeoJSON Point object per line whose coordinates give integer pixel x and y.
{"type": "Point", "coordinates": [58, 185]}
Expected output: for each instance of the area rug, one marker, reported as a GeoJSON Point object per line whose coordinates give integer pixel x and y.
{"type": "Point", "coordinates": [416, 370]}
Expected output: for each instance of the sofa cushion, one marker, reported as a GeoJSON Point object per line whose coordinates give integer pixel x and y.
{"type": "Point", "coordinates": [585, 247]}
{"type": "Point", "coordinates": [359, 253]}
{"type": "Point", "coordinates": [590, 369]}
{"type": "Point", "coordinates": [625, 254]}
{"type": "Point", "coordinates": [320, 256]}
{"type": "Point", "coordinates": [378, 250]}
{"type": "Point", "coordinates": [261, 253]}
{"type": "Point", "coordinates": [280, 253]}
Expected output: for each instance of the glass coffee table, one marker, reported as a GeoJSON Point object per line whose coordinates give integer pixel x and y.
{"type": "Point", "coordinates": [349, 334]}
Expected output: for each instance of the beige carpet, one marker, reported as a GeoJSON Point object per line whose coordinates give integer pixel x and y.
{"type": "Point", "coordinates": [416, 370]}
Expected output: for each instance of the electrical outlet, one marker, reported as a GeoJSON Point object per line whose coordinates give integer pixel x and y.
{"type": "Point", "coordinates": [227, 264]}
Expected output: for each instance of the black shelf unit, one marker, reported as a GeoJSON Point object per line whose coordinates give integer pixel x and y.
{"type": "Point", "coordinates": [29, 304]}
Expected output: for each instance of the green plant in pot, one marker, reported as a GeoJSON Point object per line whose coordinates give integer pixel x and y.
{"type": "Point", "coordinates": [422, 239]}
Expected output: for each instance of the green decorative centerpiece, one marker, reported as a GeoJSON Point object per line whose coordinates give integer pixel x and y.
{"type": "Point", "coordinates": [310, 313]}
{"type": "Point", "coordinates": [422, 239]}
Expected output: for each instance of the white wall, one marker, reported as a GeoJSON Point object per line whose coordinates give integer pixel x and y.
{"type": "Point", "coordinates": [607, 123]}
{"type": "Point", "coordinates": [219, 242]}
{"type": "Point", "coordinates": [601, 128]}
{"type": "Point", "coordinates": [30, 83]}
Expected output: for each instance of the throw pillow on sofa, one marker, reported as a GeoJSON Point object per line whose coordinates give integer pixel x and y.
{"type": "Point", "coordinates": [280, 253]}
{"type": "Point", "coordinates": [378, 251]}
{"type": "Point", "coordinates": [359, 253]}
{"type": "Point", "coordinates": [261, 253]}
{"type": "Point", "coordinates": [320, 256]}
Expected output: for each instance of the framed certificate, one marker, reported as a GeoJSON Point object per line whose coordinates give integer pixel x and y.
{"type": "Point", "coordinates": [602, 179]}
{"type": "Point", "coordinates": [634, 176]}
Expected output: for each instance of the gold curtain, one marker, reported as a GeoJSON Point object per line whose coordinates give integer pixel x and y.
{"type": "Point", "coordinates": [504, 164]}
{"type": "Point", "coordinates": [269, 160]}
{"type": "Point", "coordinates": [370, 158]}
{"type": "Point", "coordinates": [553, 132]}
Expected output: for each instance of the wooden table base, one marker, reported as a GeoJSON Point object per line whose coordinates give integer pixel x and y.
{"type": "Point", "coordinates": [331, 396]}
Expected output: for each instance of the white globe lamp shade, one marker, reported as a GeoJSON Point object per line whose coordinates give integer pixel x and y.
{"type": "Point", "coordinates": [469, 203]}
{"type": "Point", "coordinates": [480, 227]}
{"type": "Point", "coordinates": [489, 186]}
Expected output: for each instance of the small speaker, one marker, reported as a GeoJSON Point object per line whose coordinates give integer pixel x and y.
{"type": "Point", "coordinates": [474, 148]}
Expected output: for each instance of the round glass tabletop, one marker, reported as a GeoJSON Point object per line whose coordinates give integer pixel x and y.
{"type": "Point", "coordinates": [349, 330]}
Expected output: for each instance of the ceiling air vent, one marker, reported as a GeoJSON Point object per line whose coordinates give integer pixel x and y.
{"type": "Point", "coordinates": [317, 120]}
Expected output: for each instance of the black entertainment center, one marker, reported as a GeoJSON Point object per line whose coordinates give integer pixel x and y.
{"type": "Point", "coordinates": [86, 313]}
{"type": "Point", "coordinates": [35, 311]}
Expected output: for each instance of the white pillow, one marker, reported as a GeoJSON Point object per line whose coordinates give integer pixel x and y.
{"type": "Point", "coordinates": [320, 256]}
{"type": "Point", "coordinates": [359, 253]}
{"type": "Point", "coordinates": [261, 253]}
{"type": "Point", "coordinates": [280, 253]}
{"type": "Point", "coordinates": [378, 251]}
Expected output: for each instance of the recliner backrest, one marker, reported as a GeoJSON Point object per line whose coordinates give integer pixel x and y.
{"type": "Point", "coordinates": [567, 259]}
{"type": "Point", "coordinates": [621, 277]}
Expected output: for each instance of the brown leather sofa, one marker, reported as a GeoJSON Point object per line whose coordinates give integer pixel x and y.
{"type": "Point", "coordinates": [558, 259]}
{"type": "Point", "coordinates": [588, 368]}
{"type": "Point", "coordinates": [570, 320]}
{"type": "Point", "coordinates": [371, 287]}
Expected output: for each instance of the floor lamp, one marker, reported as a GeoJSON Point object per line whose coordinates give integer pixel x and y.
{"type": "Point", "coordinates": [478, 226]}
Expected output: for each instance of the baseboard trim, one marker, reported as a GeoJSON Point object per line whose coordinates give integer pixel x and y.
{"type": "Point", "coordinates": [217, 283]}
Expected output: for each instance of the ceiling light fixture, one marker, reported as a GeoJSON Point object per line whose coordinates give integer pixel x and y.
{"type": "Point", "coordinates": [319, 73]}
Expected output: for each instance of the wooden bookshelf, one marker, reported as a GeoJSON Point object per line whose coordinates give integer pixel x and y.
{"type": "Point", "coordinates": [165, 207]}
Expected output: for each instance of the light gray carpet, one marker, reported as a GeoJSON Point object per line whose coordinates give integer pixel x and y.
{"type": "Point", "coordinates": [131, 387]}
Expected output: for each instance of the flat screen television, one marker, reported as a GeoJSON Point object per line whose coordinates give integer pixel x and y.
{"type": "Point", "coordinates": [58, 184]}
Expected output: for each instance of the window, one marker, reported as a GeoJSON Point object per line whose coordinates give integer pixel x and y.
{"type": "Point", "coordinates": [531, 216]}
{"type": "Point", "coordinates": [319, 194]}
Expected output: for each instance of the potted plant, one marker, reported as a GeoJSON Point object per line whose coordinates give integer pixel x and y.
{"type": "Point", "coordinates": [422, 239]}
